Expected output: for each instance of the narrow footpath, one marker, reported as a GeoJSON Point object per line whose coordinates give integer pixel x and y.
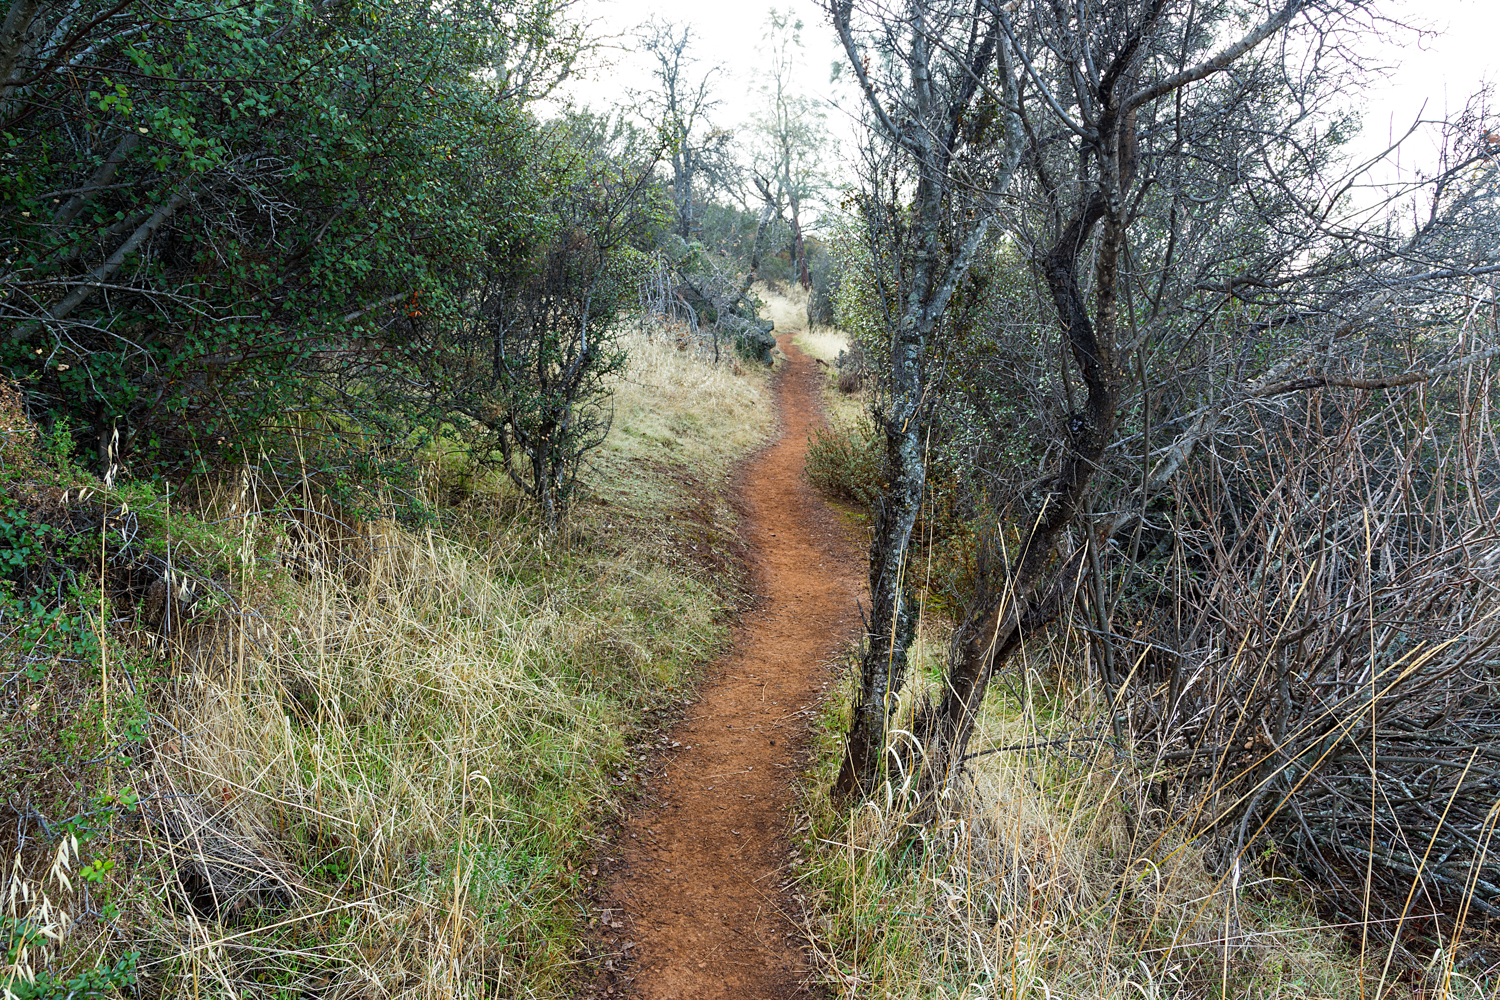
{"type": "Point", "coordinates": [699, 906]}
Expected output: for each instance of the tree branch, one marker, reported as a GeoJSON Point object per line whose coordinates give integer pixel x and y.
{"type": "Point", "coordinates": [101, 273]}
{"type": "Point", "coordinates": [1216, 63]}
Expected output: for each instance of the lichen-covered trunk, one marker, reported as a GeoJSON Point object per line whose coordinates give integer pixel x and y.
{"type": "Point", "coordinates": [893, 620]}
{"type": "Point", "coordinates": [14, 32]}
{"type": "Point", "coordinates": [767, 213]}
{"type": "Point", "coordinates": [682, 187]}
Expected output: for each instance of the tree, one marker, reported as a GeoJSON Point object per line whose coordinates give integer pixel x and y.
{"type": "Point", "coordinates": [680, 108]}
{"type": "Point", "coordinates": [537, 348]}
{"type": "Point", "coordinates": [942, 149]}
{"type": "Point", "coordinates": [1140, 120]}
{"type": "Point", "coordinates": [533, 47]}
{"type": "Point", "coordinates": [1176, 208]}
{"type": "Point", "coordinates": [792, 135]}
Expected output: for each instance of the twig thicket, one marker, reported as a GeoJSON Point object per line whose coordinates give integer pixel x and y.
{"type": "Point", "coordinates": [1328, 569]}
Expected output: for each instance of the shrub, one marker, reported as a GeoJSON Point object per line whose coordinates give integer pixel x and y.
{"type": "Point", "coordinates": [278, 222]}
{"type": "Point", "coordinates": [846, 462]}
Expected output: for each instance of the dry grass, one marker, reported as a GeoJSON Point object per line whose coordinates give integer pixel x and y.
{"type": "Point", "coordinates": [1044, 877]}
{"type": "Point", "coordinates": [823, 342]}
{"type": "Point", "coordinates": [427, 750]}
{"type": "Point", "coordinates": [786, 307]}
{"type": "Point", "coordinates": [675, 407]}
{"type": "Point", "coordinates": [17, 434]}
{"type": "Point", "coordinates": [385, 776]}
{"type": "Point", "coordinates": [1039, 882]}
{"type": "Point", "coordinates": [1033, 886]}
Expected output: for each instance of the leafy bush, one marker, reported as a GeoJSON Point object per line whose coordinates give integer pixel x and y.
{"type": "Point", "coordinates": [538, 353]}
{"type": "Point", "coordinates": [846, 462]}
{"type": "Point", "coordinates": [101, 981]}
{"type": "Point", "coordinates": [276, 197]}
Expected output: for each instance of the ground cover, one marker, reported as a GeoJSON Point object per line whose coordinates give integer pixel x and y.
{"type": "Point", "coordinates": [370, 758]}
{"type": "Point", "coordinates": [1037, 883]}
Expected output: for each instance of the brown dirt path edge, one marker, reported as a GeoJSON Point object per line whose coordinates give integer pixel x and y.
{"type": "Point", "coordinates": [706, 853]}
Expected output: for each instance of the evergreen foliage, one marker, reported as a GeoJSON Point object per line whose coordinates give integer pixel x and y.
{"type": "Point", "coordinates": [220, 219]}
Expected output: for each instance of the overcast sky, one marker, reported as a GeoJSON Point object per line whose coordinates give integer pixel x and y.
{"type": "Point", "coordinates": [1440, 72]}
{"type": "Point", "coordinates": [726, 34]}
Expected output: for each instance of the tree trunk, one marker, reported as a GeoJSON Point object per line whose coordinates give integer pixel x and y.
{"type": "Point", "coordinates": [682, 187]}
{"type": "Point", "coordinates": [893, 621]}
{"type": "Point", "coordinates": [930, 135]}
{"type": "Point", "coordinates": [767, 213]}
{"type": "Point", "coordinates": [13, 35]}
{"type": "Point", "coordinates": [90, 283]}
{"type": "Point", "coordinates": [799, 248]}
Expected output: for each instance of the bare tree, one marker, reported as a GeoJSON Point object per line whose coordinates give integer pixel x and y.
{"type": "Point", "coordinates": [681, 106]}
{"type": "Point", "coordinates": [1197, 181]}
{"type": "Point", "coordinates": [1087, 79]}
{"type": "Point", "coordinates": [941, 151]}
{"type": "Point", "coordinates": [792, 135]}
{"type": "Point", "coordinates": [1171, 179]}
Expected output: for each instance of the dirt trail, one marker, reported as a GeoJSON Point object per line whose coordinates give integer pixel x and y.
{"type": "Point", "coordinates": [706, 853]}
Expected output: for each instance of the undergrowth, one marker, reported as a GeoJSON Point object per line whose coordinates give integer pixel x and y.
{"type": "Point", "coordinates": [846, 462]}
{"type": "Point", "coordinates": [1069, 860]}
{"type": "Point", "coordinates": [328, 757]}
{"type": "Point", "coordinates": [1041, 881]}
{"type": "Point", "coordinates": [845, 457]}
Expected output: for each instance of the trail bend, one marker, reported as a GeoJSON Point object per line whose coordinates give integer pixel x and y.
{"type": "Point", "coordinates": [700, 892]}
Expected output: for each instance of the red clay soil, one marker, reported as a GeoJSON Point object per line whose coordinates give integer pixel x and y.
{"type": "Point", "coordinates": [698, 907]}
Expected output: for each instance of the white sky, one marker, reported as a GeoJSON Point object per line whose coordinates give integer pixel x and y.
{"type": "Point", "coordinates": [1440, 72]}
{"type": "Point", "coordinates": [724, 33]}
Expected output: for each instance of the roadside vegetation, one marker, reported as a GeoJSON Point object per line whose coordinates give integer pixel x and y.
{"type": "Point", "coordinates": [364, 447]}
{"type": "Point", "coordinates": [369, 756]}
{"type": "Point", "coordinates": [1052, 868]}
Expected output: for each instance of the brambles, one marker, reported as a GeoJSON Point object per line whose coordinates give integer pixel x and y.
{"type": "Point", "coordinates": [1332, 685]}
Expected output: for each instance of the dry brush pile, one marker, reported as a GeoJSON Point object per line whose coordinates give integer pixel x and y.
{"type": "Point", "coordinates": [1328, 603]}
